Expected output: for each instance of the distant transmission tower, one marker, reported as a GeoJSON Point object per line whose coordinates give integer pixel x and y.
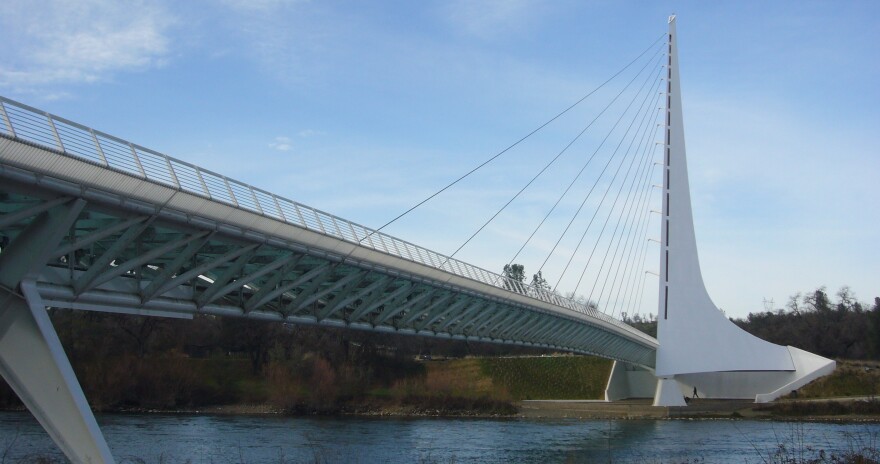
{"type": "Point", "coordinates": [768, 305]}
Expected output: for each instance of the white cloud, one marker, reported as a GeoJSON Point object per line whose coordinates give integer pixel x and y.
{"type": "Point", "coordinates": [281, 144]}
{"type": "Point", "coordinates": [305, 133]}
{"type": "Point", "coordinates": [258, 5]}
{"type": "Point", "coordinates": [65, 41]}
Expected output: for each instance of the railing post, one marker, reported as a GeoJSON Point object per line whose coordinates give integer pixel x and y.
{"type": "Point", "coordinates": [256, 200]}
{"type": "Point", "coordinates": [98, 148]}
{"type": "Point", "coordinates": [229, 189]}
{"type": "Point", "coordinates": [137, 160]}
{"type": "Point", "coordinates": [319, 221]}
{"type": "Point", "coordinates": [338, 230]}
{"type": "Point", "coordinates": [280, 211]}
{"type": "Point", "coordinates": [202, 181]}
{"type": "Point", "coordinates": [299, 214]}
{"type": "Point", "coordinates": [369, 238]}
{"type": "Point", "coordinates": [353, 233]}
{"type": "Point", "coordinates": [54, 131]}
{"type": "Point", "coordinates": [174, 174]}
{"type": "Point", "coordinates": [6, 118]}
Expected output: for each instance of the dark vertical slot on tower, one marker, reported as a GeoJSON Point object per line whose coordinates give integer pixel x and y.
{"type": "Point", "coordinates": [668, 159]}
{"type": "Point", "coordinates": [667, 233]}
{"type": "Point", "coordinates": [666, 304]}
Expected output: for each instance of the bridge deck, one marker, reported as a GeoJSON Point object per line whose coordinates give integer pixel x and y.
{"type": "Point", "coordinates": [156, 235]}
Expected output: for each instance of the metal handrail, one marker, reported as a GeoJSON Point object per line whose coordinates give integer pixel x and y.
{"type": "Point", "coordinates": [22, 122]}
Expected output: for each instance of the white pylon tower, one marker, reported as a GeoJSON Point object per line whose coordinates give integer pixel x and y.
{"type": "Point", "coordinates": [700, 349]}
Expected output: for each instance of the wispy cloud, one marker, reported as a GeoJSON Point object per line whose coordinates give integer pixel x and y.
{"type": "Point", "coordinates": [281, 144]}
{"type": "Point", "coordinates": [306, 133]}
{"type": "Point", "coordinates": [65, 42]}
{"type": "Point", "coordinates": [259, 5]}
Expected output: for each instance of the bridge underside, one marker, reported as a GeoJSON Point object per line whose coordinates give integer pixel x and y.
{"type": "Point", "coordinates": [114, 261]}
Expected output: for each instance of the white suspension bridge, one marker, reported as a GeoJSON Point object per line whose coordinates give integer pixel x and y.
{"type": "Point", "coordinates": [93, 222]}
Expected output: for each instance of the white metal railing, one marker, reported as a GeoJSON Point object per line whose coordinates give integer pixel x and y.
{"type": "Point", "coordinates": [22, 122]}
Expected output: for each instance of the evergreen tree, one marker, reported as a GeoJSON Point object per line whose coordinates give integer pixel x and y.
{"type": "Point", "coordinates": [538, 281]}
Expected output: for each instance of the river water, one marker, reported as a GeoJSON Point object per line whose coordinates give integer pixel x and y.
{"type": "Point", "coordinates": [160, 438]}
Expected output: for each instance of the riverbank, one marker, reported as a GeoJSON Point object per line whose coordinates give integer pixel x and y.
{"type": "Point", "coordinates": [854, 409]}
{"type": "Point", "coordinates": [848, 409]}
{"type": "Point", "coordinates": [546, 387]}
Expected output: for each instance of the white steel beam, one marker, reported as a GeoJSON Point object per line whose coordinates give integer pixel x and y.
{"type": "Point", "coordinates": [31, 357]}
{"type": "Point", "coordinates": [34, 364]}
{"type": "Point", "coordinates": [346, 298]}
{"type": "Point", "coordinates": [216, 289]}
{"type": "Point", "coordinates": [264, 294]}
{"type": "Point", "coordinates": [387, 313]}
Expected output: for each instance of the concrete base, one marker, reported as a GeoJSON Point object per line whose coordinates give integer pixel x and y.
{"type": "Point", "coordinates": [627, 381]}
{"type": "Point", "coordinates": [668, 393]}
{"type": "Point", "coordinates": [758, 386]}
{"type": "Point", "coordinates": [633, 409]}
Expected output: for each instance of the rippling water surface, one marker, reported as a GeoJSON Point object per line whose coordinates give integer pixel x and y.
{"type": "Point", "coordinates": [153, 438]}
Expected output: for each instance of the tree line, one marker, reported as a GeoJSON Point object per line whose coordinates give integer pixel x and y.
{"type": "Point", "coordinates": [135, 362]}
{"type": "Point", "coordinates": [843, 328]}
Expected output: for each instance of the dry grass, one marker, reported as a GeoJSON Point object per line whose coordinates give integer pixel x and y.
{"type": "Point", "coordinates": [851, 378]}
{"type": "Point", "coordinates": [552, 377]}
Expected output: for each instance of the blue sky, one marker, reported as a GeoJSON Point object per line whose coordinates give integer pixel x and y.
{"type": "Point", "coordinates": [363, 108]}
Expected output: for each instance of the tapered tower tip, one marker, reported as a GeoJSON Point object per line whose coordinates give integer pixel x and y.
{"type": "Point", "coordinates": [672, 17]}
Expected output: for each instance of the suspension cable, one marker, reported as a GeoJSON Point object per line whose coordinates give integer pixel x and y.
{"type": "Point", "coordinates": [546, 166]}
{"type": "Point", "coordinates": [583, 168]}
{"type": "Point", "coordinates": [604, 226]}
{"type": "Point", "coordinates": [642, 174]}
{"type": "Point", "coordinates": [595, 184]}
{"type": "Point", "coordinates": [640, 232]}
{"type": "Point", "coordinates": [634, 222]}
{"type": "Point", "coordinates": [566, 110]}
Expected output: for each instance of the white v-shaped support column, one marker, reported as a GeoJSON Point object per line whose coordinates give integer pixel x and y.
{"type": "Point", "coordinates": [32, 359]}
{"type": "Point", "coordinates": [699, 347]}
